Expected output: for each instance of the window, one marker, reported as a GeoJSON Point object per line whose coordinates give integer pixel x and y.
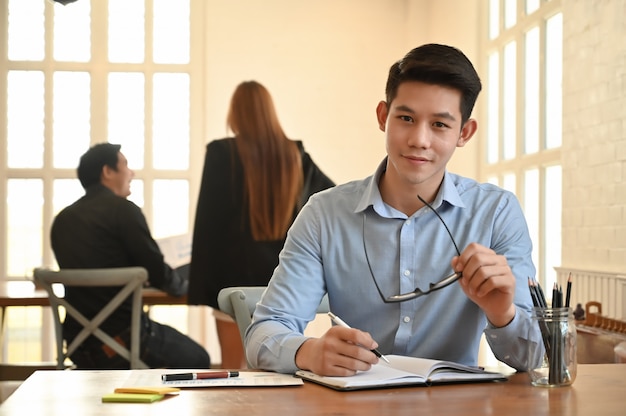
{"type": "Point", "coordinates": [121, 71]}
{"type": "Point", "coordinates": [523, 136]}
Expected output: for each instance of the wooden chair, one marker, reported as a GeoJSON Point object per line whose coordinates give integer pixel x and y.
{"type": "Point", "coordinates": [240, 302]}
{"type": "Point", "coordinates": [130, 279]}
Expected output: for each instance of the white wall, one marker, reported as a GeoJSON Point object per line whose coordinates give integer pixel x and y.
{"type": "Point", "coordinates": [594, 135]}
{"type": "Point", "coordinates": [325, 63]}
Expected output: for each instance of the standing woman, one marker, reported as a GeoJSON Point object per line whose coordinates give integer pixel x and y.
{"type": "Point", "coordinates": [253, 185]}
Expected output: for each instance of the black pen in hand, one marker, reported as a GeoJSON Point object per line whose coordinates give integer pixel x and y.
{"type": "Point", "coordinates": [339, 322]}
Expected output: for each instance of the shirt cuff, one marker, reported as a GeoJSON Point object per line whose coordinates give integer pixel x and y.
{"type": "Point", "coordinates": [502, 335]}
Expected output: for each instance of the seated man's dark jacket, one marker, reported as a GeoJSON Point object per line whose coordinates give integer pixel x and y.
{"type": "Point", "coordinates": [103, 230]}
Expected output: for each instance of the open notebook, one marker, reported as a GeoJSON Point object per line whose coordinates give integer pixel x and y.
{"type": "Point", "coordinates": [405, 371]}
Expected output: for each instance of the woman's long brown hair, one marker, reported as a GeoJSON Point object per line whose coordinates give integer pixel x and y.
{"type": "Point", "coordinates": [272, 164]}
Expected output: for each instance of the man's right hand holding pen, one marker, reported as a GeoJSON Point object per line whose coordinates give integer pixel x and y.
{"type": "Point", "coordinates": [339, 352]}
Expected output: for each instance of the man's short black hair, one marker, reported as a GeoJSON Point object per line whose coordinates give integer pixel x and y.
{"type": "Point", "coordinates": [437, 65]}
{"type": "Point", "coordinates": [92, 162]}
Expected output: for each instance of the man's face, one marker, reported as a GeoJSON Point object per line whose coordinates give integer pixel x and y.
{"type": "Point", "coordinates": [423, 128]}
{"type": "Point", "coordinates": [118, 180]}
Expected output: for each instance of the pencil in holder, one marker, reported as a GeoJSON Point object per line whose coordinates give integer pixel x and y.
{"type": "Point", "coordinates": [557, 364]}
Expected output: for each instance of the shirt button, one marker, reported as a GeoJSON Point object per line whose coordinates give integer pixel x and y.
{"type": "Point", "coordinates": [407, 272]}
{"type": "Point", "coordinates": [407, 319]}
{"type": "Point", "coordinates": [408, 222]}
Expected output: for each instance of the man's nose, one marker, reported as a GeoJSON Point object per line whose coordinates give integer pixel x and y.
{"type": "Point", "coordinates": [420, 135]}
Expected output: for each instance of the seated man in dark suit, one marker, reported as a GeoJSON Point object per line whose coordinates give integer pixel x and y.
{"type": "Point", "coordinates": [103, 229]}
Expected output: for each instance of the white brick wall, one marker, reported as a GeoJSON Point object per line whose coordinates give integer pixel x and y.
{"type": "Point", "coordinates": [594, 134]}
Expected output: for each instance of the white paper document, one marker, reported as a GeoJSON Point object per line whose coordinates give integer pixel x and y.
{"type": "Point", "coordinates": [176, 249]}
{"type": "Point", "coordinates": [152, 377]}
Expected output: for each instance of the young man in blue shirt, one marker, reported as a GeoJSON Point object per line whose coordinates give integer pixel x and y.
{"type": "Point", "coordinates": [396, 233]}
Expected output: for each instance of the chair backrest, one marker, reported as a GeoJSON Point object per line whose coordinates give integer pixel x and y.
{"type": "Point", "coordinates": [130, 279]}
{"type": "Point", "coordinates": [239, 302]}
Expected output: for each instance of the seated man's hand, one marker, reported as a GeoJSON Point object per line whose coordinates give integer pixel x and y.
{"type": "Point", "coordinates": [339, 352]}
{"type": "Point", "coordinates": [488, 281]}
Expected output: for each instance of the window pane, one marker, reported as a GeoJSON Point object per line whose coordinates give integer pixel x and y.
{"type": "Point", "coordinates": [65, 192]}
{"type": "Point", "coordinates": [494, 18]}
{"type": "Point", "coordinates": [170, 132]}
{"type": "Point", "coordinates": [554, 76]}
{"type": "Point", "coordinates": [510, 13]}
{"type": "Point", "coordinates": [508, 182]}
{"type": "Point", "coordinates": [493, 102]}
{"type": "Point", "coordinates": [509, 101]}
{"type": "Point", "coordinates": [72, 32]}
{"type": "Point", "coordinates": [171, 207]}
{"type": "Point", "coordinates": [136, 195]}
{"type": "Point", "coordinates": [531, 6]}
{"type": "Point", "coordinates": [126, 115]}
{"type": "Point", "coordinates": [171, 31]}
{"type": "Point", "coordinates": [26, 30]}
{"type": "Point", "coordinates": [553, 223]}
{"type": "Point", "coordinates": [25, 119]}
{"type": "Point", "coordinates": [529, 113]}
{"type": "Point", "coordinates": [531, 91]}
{"type": "Point", "coordinates": [531, 210]}
{"type": "Point", "coordinates": [25, 226]}
{"type": "Point", "coordinates": [71, 116]}
{"type": "Point", "coordinates": [126, 31]}
{"type": "Point", "coordinates": [23, 330]}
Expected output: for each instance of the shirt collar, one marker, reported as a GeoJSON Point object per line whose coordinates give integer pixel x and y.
{"type": "Point", "coordinates": [371, 196]}
{"type": "Point", "coordinates": [448, 192]}
{"type": "Point", "coordinates": [97, 188]}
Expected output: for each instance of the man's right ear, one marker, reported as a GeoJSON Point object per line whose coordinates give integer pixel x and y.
{"type": "Point", "coordinates": [381, 115]}
{"type": "Point", "coordinates": [106, 173]}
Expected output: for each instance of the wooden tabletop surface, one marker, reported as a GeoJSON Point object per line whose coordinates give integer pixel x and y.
{"type": "Point", "coordinates": [599, 390]}
{"type": "Point", "coordinates": [24, 293]}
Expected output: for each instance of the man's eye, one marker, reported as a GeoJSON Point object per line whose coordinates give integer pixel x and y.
{"type": "Point", "coordinates": [439, 124]}
{"type": "Point", "coordinates": [406, 118]}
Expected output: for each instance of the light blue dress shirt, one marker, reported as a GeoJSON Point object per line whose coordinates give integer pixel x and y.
{"type": "Point", "coordinates": [324, 253]}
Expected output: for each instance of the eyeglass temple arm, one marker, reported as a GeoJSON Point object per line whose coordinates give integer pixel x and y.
{"type": "Point", "coordinates": [446, 282]}
{"type": "Point", "coordinates": [442, 221]}
{"type": "Point", "coordinates": [433, 286]}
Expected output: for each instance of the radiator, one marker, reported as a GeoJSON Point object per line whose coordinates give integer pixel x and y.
{"type": "Point", "coordinates": [605, 287]}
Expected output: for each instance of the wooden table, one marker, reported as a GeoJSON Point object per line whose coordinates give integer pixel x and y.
{"type": "Point", "coordinates": [598, 390]}
{"type": "Point", "coordinates": [24, 293]}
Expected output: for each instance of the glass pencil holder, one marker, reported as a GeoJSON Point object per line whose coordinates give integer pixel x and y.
{"type": "Point", "coordinates": [554, 365]}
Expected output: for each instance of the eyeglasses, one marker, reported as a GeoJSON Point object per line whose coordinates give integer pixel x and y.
{"type": "Point", "coordinates": [417, 292]}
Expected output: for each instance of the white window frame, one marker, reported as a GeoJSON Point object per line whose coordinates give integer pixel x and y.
{"type": "Point", "coordinates": [542, 159]}
{"type": "Point", "coordinates": [99, 68]}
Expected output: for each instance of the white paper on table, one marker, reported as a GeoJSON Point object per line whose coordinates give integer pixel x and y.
{"type": "Point", "coordinates": [176, 249]}
{"type": "Point", "coordinates": [152, 377]}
